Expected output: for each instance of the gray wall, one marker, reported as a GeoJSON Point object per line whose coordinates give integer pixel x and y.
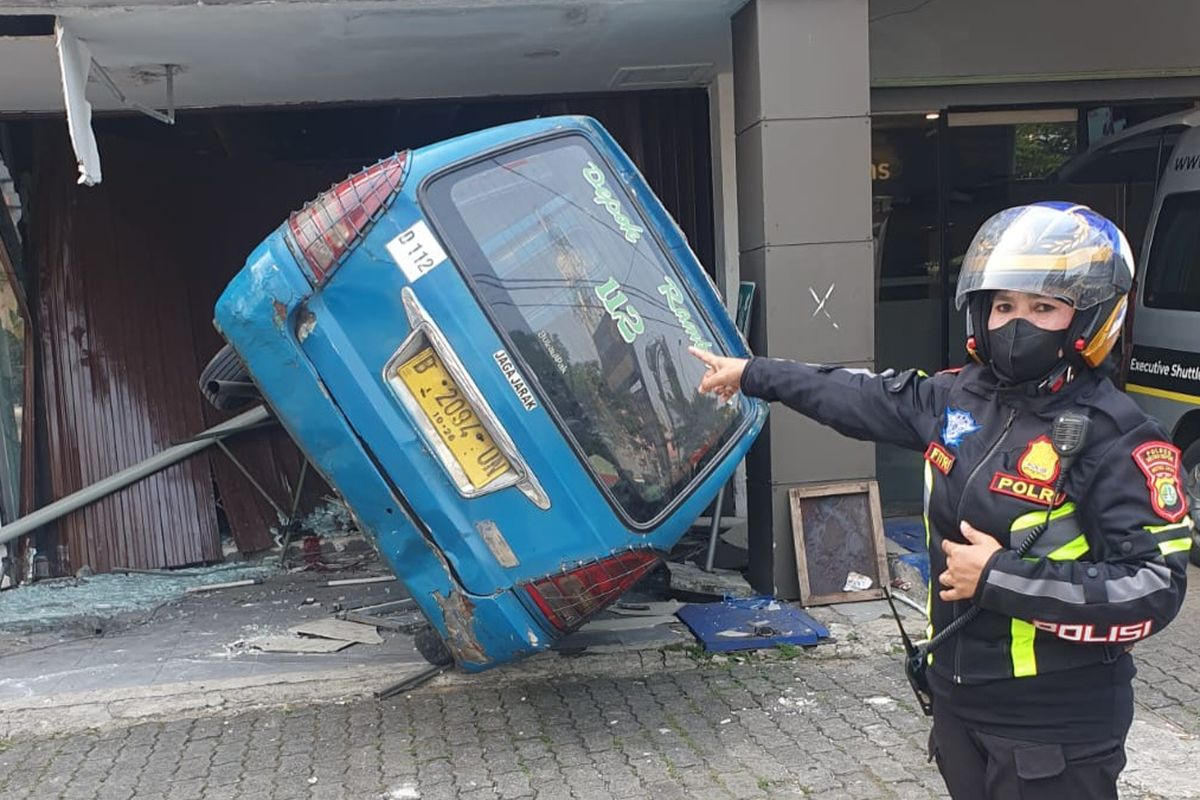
{"type": "Point", "coordinates": [972, 41]}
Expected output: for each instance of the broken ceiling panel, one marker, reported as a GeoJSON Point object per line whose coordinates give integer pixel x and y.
{"type": "Point", "coordinates": [75, 62]}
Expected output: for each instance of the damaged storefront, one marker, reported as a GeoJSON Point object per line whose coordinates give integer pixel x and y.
{"type": "Point", "coordinates": [115, 284]}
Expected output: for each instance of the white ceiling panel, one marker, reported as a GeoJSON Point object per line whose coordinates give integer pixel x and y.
{"type": "Point", "coordinates": [234, 54]}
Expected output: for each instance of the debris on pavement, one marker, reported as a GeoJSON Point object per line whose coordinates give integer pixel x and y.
{"type": "Point", "coordinates": [652, 609]}
{"type": "Point", "coordinates": [404, 792]}
{"type": "Point", "coordinates": [164, 573]}
{"type": "Point", "coordinates": [857, 582]}
{"type": "Point", "coordinates": [213, 587]}
{"type": "Point", "coordinates": [294, 644]}
{"type": "Point", "coordinates": [61, 603]}
{"type": "Point", "coordinates": [691, 578]}
{"type": "Point", "coordinates": [908, 601]}
{"type": "Point", "coordinates": [330, 519]}
{"type": "Point", "coordinates": [339, 629]}
{"type": "Point", "coordinates": [412, 681]}
{"type": "Point", "coordinates": [750, 624]}
{"type": "Point", "coordinates": [396, 615]}
{"type": "Point", "coordinates": [360, 581]}
{"type": "Point", "coordinates": [628, 623]}
{"type": "Point", "coordinates": [614, 634]}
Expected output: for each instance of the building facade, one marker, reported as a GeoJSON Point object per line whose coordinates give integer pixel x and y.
{"type": "Point", "coordinates": [837, 153]}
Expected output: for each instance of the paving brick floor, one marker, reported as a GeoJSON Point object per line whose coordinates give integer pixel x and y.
{"type": "Point", "coordinates": [647, 724]}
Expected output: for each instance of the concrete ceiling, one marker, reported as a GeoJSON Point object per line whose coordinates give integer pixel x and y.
{"type": "Point", "coordinates": [948, 42]}
{"type": "Point", "coordinates": [287, 51]}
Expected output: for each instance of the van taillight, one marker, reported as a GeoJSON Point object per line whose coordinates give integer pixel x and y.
{"type": "Point", "coordinates": [567, 600]}
{"type": "Point", "coordinates": [329, 226]}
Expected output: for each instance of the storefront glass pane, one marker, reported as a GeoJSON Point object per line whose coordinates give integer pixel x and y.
{"type": "Point", "coordinates": [907, 321]}
{"type": "Point", "coordinates": [12, 355]}
{"type": "Point", "coordinates": [12, 389]}
{"type": "Point", "coordinates": [993, 167]}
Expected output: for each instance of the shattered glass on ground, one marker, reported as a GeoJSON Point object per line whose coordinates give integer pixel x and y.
{"type": "Point", "coordinates": [50, 604]}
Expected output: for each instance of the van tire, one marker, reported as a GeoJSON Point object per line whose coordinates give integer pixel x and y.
{"type": "Point", "coordinates": [224, 370]}
{"type": "Point", "coordinates": [1191, 486]}
{"type": "Point", "coordinates": [431, 647]}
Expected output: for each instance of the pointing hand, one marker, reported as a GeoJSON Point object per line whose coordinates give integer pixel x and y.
{"type": "Point", "coordinates": [723, 376]}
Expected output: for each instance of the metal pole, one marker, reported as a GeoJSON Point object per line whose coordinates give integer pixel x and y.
{"type": "Point", "coordinates": [246, 474]}
{"type": "Point", "coordinates": [90, 494]}
{"type": "Point", "coordinates": [715, 532]}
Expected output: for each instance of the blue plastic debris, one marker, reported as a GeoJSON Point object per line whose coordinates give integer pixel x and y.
{"type": "Point", "coordinates": [750, 623]}
{"type": "Point", "coordinates": [908, 534]}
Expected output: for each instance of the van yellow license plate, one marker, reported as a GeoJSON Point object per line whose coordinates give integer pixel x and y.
{"type": "Point", "coordinates": [453, 418]}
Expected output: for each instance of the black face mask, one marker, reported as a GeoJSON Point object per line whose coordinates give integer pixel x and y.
{"type": "Point", "coordinates": [1022, 352]}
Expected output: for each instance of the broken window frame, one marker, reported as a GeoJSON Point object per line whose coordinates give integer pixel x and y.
{"type": "Point", "coordinates": [16, 492]}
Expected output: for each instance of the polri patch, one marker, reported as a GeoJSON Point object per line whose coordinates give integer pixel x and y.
{"type": "Point", "coordinates": [1024, 489]}
{"type": "Point", "coordinates": [940, 457]}
{"type": "Point", "coordinates": [1039, 462]}
{"type": "Point", "coordinates": [1159, 462]}
{"type": "Point", "coordinates": [959, 424]}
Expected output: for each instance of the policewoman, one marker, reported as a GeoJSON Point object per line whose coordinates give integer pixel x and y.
{"type": "Point", "coordinates": [1033, 697]}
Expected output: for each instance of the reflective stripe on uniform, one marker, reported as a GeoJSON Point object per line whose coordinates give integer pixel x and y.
{"type": "Point", "coordinates": [929, 588]}
{"type": "Point", "coordinates": [1071, 551]}
{"type": "Point", "coordinates": [1024, 661]}
{"type": "Point", "coordinates": [1151, 577]}
{"type": "Point", "coordinates": [1065, 543]}
{"type": "Point", "coordinates": [1062, 539]}
{"type": "Point", "coordinates": [1035, 518]}
{"type": "Point", "coordinates": [1175, 545]}
{"type": "Point", "coordinates": [1064, 591]}
{"type": "Point", "coordinates": [1178, 538]}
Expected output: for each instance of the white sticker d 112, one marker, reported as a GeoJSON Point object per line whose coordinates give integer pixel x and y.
{"type": "Point", "coordinates": [416, 251]}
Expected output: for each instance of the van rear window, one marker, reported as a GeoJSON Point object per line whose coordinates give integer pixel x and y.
{"type": "Point", "coordinates": [567, 267]}
{"type": "Point", "coordinates": [1173, 271]}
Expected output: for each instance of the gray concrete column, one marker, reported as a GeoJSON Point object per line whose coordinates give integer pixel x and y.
{"type": "Point", "coordinates": [802, 104]}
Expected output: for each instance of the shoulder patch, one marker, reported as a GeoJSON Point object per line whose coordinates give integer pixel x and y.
{"type": "Point", "coordinates": [1160, 462]}
{"type": "Point", "coordinates": [959, 425]}
{"type": "Point", "coordinates": [939, 457]}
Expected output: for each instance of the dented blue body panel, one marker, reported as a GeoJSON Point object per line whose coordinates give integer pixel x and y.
{"type": "Point", "coordinates": [324, 358]}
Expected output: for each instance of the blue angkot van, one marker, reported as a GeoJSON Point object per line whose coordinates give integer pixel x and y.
{"type": "Point", "coordinates": [482, 345]}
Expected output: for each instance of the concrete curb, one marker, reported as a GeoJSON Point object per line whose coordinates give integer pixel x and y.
{"type": "Point", "coordinates": [76, 712]}
{"type": "Point", "coordinates": [108, 709]}
{"type": "Point", "coordinates": [103, 710]}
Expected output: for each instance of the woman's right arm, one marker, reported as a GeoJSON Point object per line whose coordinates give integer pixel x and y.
{"type": "Point", "coordinates": [901, 409]}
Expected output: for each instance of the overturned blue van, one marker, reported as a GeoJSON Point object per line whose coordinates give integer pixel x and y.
{"type": "Point", "coordinates": [482, 345]}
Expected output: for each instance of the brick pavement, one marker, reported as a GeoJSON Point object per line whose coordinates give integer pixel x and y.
{"type": "Point", "coordinates": [823, 724]}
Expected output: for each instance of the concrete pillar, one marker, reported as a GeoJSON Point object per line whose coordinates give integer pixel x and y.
{"type": "Point", "coordinates": [802, 104]}
{"type": "Point", "coordinates": [723, 140]}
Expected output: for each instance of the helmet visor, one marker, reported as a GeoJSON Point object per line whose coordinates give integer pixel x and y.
{"type": "Point", "coordinates": [1067, 252]}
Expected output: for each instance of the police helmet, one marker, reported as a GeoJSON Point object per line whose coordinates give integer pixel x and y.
{"type": "Point", "coordinates": [1059, 249]}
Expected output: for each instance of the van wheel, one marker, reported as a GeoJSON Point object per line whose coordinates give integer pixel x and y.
{"type": "Point", "coordinates": [1191, 484]}
{"type": "Point", "coordinates": [431, 647]}
{"type": "Point", "coordinates": [226, 382]}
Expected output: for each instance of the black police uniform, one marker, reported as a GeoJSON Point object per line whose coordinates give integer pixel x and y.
{"type": "Point", "coordinates": [1034, 697]}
